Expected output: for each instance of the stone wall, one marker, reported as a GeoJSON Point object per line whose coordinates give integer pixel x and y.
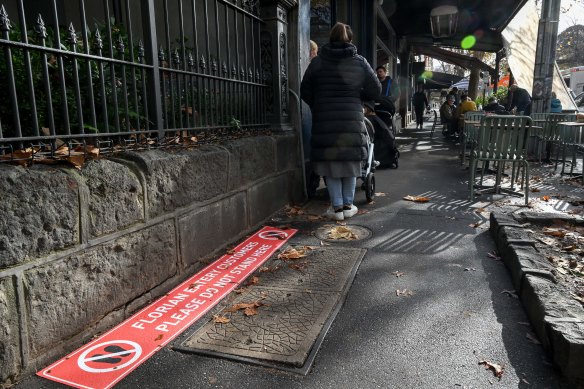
{"type": "Point", "coordinates": [81, 250]}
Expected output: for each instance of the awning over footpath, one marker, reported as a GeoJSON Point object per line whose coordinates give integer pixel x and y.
{"type": "Point", "coordinates": [464, 61]}
{"type": "Point", "coordinates": [439, 80]}
{"type": "Point", "coordinates": [520, 39]}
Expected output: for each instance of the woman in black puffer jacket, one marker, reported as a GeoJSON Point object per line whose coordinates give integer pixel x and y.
{"type": "Point", "coordinates": [335, 85]}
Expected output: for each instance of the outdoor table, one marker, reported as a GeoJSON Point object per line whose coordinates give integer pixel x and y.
{"type": "Point", "coordinates": [571, 134]}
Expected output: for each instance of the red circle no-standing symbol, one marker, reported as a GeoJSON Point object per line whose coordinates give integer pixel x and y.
{"type": "Point", "coordinates": [273, 235]}
{"type": "Point", "coordinates": [109, 356]}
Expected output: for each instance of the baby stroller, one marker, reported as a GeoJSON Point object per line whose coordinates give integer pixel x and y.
{"type": "Point", "coordinates": [369, 164]}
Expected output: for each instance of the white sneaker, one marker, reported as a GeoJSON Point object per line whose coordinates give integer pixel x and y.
{"type": "Point", "coordinates": [376, 163]}
{"type": "Point", "coordinates": [347, 213]}
{"type": "Point", "coordinates": [339, 216]}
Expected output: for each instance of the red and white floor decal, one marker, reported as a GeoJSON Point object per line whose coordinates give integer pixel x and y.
{"type": "Point", "coordinates": [112, 356]}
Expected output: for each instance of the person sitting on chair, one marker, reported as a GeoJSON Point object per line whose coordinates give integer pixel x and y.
{"type": "Point", "coordinates": [494, 106]}
{"type": "Point", "coordinates": [466, 105]}
{"type": "Point", "coordinates": [555, 104]}
{"type": "Point", "coordinates": [447, 115]}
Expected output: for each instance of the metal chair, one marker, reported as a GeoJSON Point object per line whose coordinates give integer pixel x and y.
{"type": "Point", "coordinates": [434, 123]}
{"type": "Point", "coordinates": [469, 132]}
{"type": "Point", "coordinates": [571, 136]}
{"type": "Point", "coordinates": [437, 123]}
{"type": "Point", "coordinates": [550, 133]}
{"type": "Point", "coordinates": [539, 116]}
{"type": "Point", "coordinates": [501, 139]}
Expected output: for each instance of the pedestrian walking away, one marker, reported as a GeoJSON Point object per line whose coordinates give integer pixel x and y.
{"type": "Point", "coordinates": [420, 103]}
{"type": "Point", "coordinates": [335, 84]}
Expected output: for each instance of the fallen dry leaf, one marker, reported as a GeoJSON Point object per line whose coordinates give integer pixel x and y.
{"type": "Point", "coordinates": [221, 319]}
{"type": "Point", "coordinates": [404, 292]}
{"type": "Point", "coordinates": [292, 253]}
{"type": "Point", "coordinates": [20, 157]}
{"type": "Point", "coordinates": [76, 160]}
{"type": "Point", "coordinates": [253, 281]}
{"type": "Point", "coordinates": [250, 311]}
{"type": "Point", "coordinates": [159, 337]}
{"type": "Point", "coordinates": [341, 232]}
{"type": "Point", "coordinates": [554, 232]}
{"type": "Point", "coordinates": [298, 266]}
{"type": "Point", "coordinates": [244, 306]}
{"type": "Point", "coordinates": [497, 369]}
{"type": "Point", "coordinates": [534, 190]}
{"type": "Point", "coordinates": [417, 199]}
{"type": "Point", "coordinates": [295, 210]}
{"type": "Point", "coordinates": [546, 198]}
{"type": "Point", "coordinates": [474, 225]}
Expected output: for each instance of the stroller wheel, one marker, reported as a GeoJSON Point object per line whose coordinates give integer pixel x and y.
{"type": "Point", "coordinates": [369, 186]}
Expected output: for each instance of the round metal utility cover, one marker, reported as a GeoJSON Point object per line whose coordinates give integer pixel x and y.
{"type": "Point", "coordinates": [334, 233]}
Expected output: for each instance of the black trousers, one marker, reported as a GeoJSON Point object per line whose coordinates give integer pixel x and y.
{"type": "Point", "coordinates": [419, 114]}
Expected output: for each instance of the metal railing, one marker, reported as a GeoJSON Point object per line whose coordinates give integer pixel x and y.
{"type": "Point", "coordinates": [147, 73]}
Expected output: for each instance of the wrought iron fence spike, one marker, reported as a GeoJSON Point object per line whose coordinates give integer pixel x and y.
{"type": "Point", "coordinates": [121, 46]}
{"type": "Point", "coordinates": [190, 59]}
{"type": "Point", "coordinates": [98, 41]}
{"type": "Point", "coordinates": [140, 49]}
{"type": "Point", "coordinates": [4, 20]}
{"type": "Point", "coordinates": [72, 38]}
{"type": "Point", "coordinates": [40, 28]}
{"type": "Point", "coordinates": [176, 58]}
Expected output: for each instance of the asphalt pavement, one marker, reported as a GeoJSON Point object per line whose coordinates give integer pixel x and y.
{"type": "Point", "coordinates": [428, 308]}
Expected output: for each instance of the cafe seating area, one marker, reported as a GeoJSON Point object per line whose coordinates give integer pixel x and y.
{"type": "Point", "coordinates": [503, 146]}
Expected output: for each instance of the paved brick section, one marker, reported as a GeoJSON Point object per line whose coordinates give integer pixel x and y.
{"type": "Point", "coordinates": [557, 319]}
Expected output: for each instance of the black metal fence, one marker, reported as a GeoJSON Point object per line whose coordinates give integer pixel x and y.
{"type": "Point", "coordinates": [127, 73]}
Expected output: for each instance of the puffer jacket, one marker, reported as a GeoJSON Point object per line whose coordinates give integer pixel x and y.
{"type": "Point", "coordinates": [335, 85]}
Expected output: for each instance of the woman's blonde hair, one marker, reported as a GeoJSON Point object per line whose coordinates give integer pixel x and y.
{"type": "Point", "coordinates": [313, 46]}
{"type": "Point", "coordinates": [341, 32]}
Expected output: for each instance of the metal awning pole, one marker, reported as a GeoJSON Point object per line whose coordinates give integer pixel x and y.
{"type": "Point", "coordinates": [545, 55]}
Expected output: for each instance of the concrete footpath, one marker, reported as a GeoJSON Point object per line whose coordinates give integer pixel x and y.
{"type": "Point", "coordinates": [428, 307]}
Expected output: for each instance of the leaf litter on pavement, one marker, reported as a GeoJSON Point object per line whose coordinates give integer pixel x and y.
{"type": "Point", "coordinates": [341, 232]}
{"type": "Point", "coordinates": [417, 199]}
{"type": "Point", "coordinates": [497, 369]}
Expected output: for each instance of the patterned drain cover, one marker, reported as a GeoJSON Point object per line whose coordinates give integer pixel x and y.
{"type": "Point", "coordinates": [359, 233]}
{"type": "Point", "coordinates": [297, 300]}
